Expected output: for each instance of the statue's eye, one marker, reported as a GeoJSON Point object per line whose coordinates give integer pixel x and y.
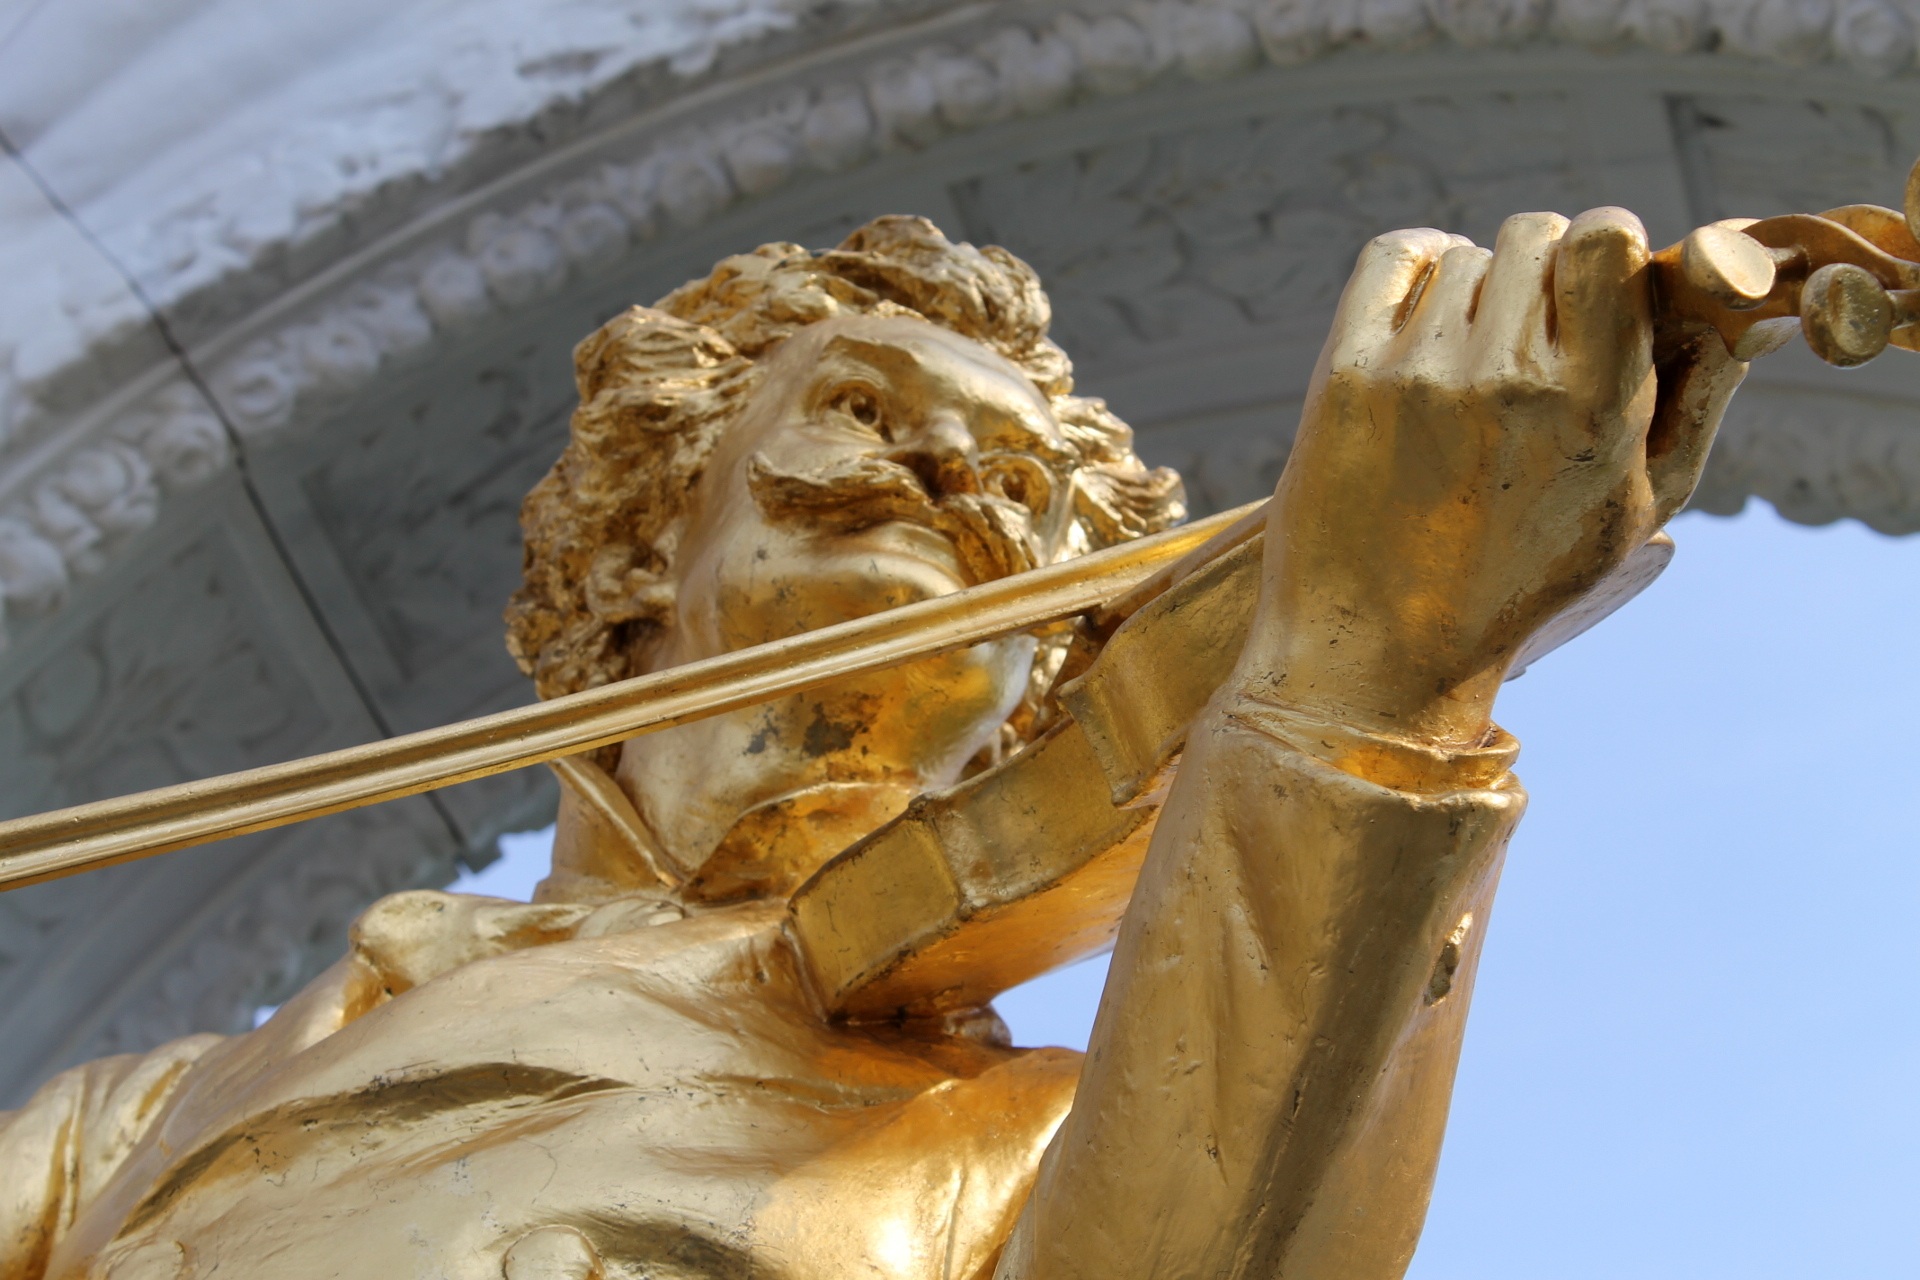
{"type": "Point", "coordinates": [863, 407]}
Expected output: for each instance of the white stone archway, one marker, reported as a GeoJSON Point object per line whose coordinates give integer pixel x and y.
{"type": "Point", "coordinates": [292, 297]}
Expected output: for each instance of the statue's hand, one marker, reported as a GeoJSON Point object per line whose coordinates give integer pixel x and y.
{"type": "Point", "coordinates": [1485, 438]}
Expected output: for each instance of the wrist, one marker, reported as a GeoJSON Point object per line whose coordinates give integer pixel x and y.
{"type": "Point", "coordinates": [1383, 759]}
{"type": "Point", "coordinates": [1372, 688]}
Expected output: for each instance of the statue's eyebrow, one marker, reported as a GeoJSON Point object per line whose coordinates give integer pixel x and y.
{"type": "Point", "coordinates": [888, 358]}
{"type": "Point", "coordinates": [883, 356]}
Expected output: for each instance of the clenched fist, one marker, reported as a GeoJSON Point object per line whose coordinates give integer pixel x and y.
{"type": "Point", "coordinates": [1485, 439]}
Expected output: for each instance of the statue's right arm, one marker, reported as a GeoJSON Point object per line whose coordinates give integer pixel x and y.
{"type": "Point", "coordinates": [1486, 437]}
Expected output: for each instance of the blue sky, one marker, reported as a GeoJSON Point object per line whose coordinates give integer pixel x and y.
{"type": "Point", "coordinates": [1694, 1049]}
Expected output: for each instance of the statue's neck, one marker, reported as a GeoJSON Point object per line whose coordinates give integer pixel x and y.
{"type": "Point", "coordinates": [769, 851]}
{"type": "Point", "coordinates": [708, 786]}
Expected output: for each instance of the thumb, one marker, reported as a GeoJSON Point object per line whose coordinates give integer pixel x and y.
{"type": "Point", "coordinates": [1695, 382]}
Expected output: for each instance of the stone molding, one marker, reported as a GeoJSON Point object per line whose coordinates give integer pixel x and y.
{"type": "Point", "coordinates": [77, 485]}
{"type": "Point", "coordinates": [441, 323]}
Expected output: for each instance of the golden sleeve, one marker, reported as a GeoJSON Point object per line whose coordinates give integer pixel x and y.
{"type": "Point", "coordinates": [1267, 1084]}
{"type": "Point", "coordinates": [59, 1150]}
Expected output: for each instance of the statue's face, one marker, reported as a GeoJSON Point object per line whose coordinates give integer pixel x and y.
{"type": "Point", "coordinates": [880, 462]}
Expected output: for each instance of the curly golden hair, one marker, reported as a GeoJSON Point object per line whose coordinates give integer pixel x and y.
{"type": "Point", "coordinates": [658, 386]}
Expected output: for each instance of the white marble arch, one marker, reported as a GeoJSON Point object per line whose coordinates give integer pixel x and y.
{"type": "Point", "coordinates": [291, 291]}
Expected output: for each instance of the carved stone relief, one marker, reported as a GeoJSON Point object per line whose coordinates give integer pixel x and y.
{"type": "Point", "coordinates": [402, 518]}
{"type": "Point", "coordinates": [1229, 245]}
{"type": "Point", "coordinates": [1246, 230]}
{"type": "Point", "coordinates": [1229, 458]}
{"type": "Point", "coordinates": [197, 659]}
{"type": "Point", "coordinates": [1841, 153]}
{"type": "Point", "coordinates": [390, 417]}
{"type": "Point", "coordinates": [1818, 456]}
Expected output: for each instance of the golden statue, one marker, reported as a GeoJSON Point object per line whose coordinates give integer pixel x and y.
{"type": "Point", "coordinates": [745, 1027]}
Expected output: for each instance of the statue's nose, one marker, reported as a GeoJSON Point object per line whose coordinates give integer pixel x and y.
{"type": "Point", "coordinates": [943, 453]}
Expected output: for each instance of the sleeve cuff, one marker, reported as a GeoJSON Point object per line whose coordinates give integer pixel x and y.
{"type": "Point", "coordinates": [1386, 760]}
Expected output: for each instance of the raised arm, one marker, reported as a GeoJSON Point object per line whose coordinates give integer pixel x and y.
{"type": "Point", "coordinates": [1484, 440]}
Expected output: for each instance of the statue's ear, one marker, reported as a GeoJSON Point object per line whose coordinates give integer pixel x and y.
{"type": "Point", "coordinates": [618, 590]}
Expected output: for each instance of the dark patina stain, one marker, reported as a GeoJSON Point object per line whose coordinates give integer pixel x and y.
{"type": "Point", "coordinates": [825, 735]}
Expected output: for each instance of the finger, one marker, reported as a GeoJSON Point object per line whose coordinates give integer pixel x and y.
{"type": "Point", "coordinates": [1603, 311]}
{"type": "Point", "coordinates": [1694, 387]}
{"type": "Point", "coordinates": [1437, 330]}
{"type": "Point", "coordinates": [1390, 268]}
{"type": "Point", "coordinates": [1511, 326]}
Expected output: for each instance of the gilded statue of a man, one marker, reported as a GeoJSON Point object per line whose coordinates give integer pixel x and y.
{"type": "Point", "coordinates": [642, 1073]}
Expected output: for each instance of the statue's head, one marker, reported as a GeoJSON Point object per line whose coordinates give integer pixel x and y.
{"type": "Point", "coordinates": [796, 440]}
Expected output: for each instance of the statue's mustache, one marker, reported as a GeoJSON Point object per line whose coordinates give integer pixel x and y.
{"type": "Point", "coordinates": [992, 536]}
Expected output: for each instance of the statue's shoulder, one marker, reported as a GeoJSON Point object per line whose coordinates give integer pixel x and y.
{"type": "Point", "coordinates": [408, 939]}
